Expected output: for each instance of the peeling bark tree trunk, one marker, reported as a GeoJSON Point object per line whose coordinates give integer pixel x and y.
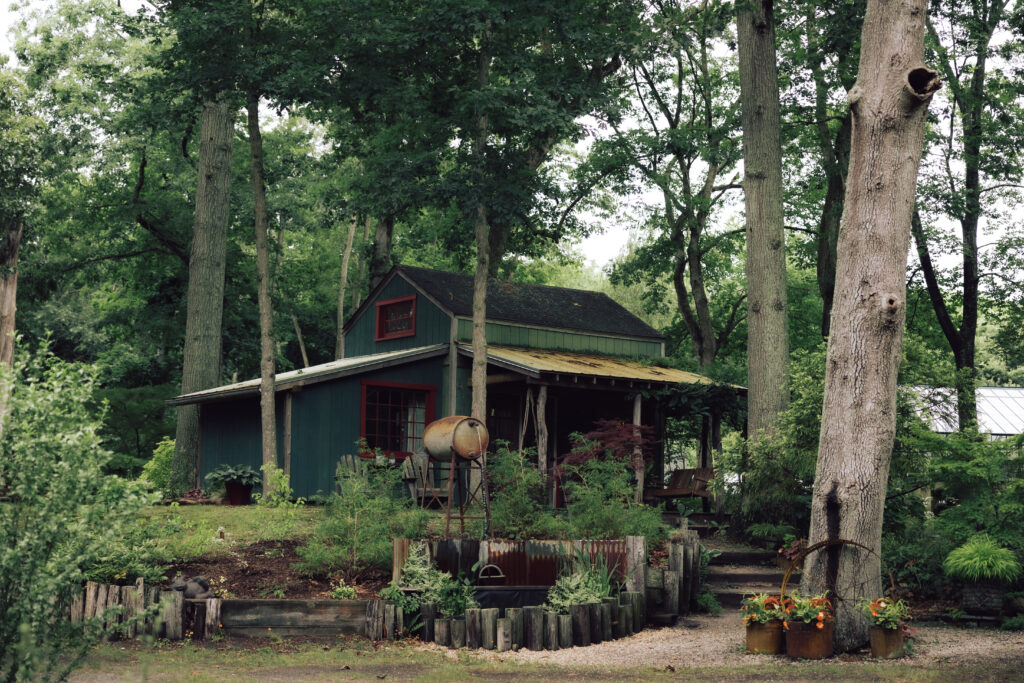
{"type": "Point", "coordinates": [767, 329]}
{"type": "Point", "coordinates": [201, 355]}
{"type": "Point", "coordinates": [858, 420]}
{"type": "Point", "coordinates": [268, 426]}
{"type": "Point", "coordinates": [339, 348]}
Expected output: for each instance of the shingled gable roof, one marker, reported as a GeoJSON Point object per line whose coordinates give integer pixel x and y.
{"type": "Point", "coordinates": [529, 304]}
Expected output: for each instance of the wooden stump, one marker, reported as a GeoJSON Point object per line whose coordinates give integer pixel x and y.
{"type": "Point", "coordinates": [580, 625]}
{"type": "Point", "coordinates": [441, 631]}
{"type": "Point", "coordinates": [564, 630]}
{"type": "Point", "coordinates": [596, 630]}
{"type": "Point", "coordinates": [670, 594]}
{"type": "Point", "coordinates": [375, 620]}
{"type": "Point", "coordinates": [427, 615]}
{"type": "Point", "coordinates": [606, 621]}
{"type": "Point", "coordinates": [91, 590]}
{"type": "Point", "coordinates": [516, 620]}
{"type": "Point", "coordinates": [473, 628]}
{"type": "Point", "coordinates": [389, 621]}
{"type": "Point", "coordinates": [77, 607]}
{"type": "Point", "coordinates": [626, 619]}
{"type": "Point", "coordinates": [534, 628]}
{"type": "Point", "coordinates": [636, 601]}
{"type": "Point", "coordinates": [111, 617]}
{"type": "Point", "coordinates": [504, 639]}
{"type": "Point", "coordinates": [212, 626]}
{"type": "Point", "coordinates": [636, 563]}
{"type": "Point", "coordinates": [457, 632]}
{"type": "Point", "coordinates": [489, 628]}
{"type": "Point", "coordinates": [551, 631]}
{"type": "Point", "coordinates": [173, 603]}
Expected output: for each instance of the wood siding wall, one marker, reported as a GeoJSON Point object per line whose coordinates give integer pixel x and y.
{"type": "Point", "coordinates": [325, 425]}
{"type": "Point", "coordinates": [537, 338]}
{"type": "Point", "coordinates": [432, 324]}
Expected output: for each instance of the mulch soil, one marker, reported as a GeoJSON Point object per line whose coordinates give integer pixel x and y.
{"type": "Point", "coordinates": [264, 570]}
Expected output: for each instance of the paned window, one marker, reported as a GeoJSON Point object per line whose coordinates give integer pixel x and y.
{"type": "Point", "coordinates": [396, 318]}
{"type": "Point", "coordinates": [394, 416]}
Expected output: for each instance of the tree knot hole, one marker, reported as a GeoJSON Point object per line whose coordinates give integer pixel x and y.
{"type": "Point", "coordinates": [923, 81]}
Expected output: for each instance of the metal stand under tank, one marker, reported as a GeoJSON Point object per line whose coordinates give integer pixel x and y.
{"type": "Point", "coordinates": [463, 442]}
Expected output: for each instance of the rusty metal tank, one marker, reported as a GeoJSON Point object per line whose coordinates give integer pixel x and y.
{"type": "Point", "coordinates": [465, 436]}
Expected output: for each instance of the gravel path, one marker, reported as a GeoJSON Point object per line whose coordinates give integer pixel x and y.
{"type": "Point", "coordinates": [709, 641]}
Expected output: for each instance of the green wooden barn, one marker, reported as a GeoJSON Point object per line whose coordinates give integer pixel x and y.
{"type": "Point", "coordinates": [558, 359]}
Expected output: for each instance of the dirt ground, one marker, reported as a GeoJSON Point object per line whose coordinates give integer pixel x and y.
{"type": "Point", "coordinates": [264, 570]}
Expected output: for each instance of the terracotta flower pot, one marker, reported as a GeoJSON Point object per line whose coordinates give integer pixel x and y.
{"type": "Point", "coordinates": [807, 641]}
{"type": "Point", "coordinates": [886, 643]}
{"type": "Point", "coordinates": [765, 639]}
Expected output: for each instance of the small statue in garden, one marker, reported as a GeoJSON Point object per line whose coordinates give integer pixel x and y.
{"type": "Point", "coordinates": [196, 588]}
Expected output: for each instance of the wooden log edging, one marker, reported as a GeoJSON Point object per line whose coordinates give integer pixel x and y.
{"type": "Point", "coordinates": [139, 610]}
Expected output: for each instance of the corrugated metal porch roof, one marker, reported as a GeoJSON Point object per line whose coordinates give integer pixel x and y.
{"type": "Point", "coordinates": [311, 375]}
{"type": "Point", "coordinates": [536, 361]}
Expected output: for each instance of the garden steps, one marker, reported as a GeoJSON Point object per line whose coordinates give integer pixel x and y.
{"type": "Point", "coordinates": [742, 573]}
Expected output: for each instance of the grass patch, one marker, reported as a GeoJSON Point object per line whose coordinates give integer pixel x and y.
{"type": "Point", "coordinates": [190, 531]}
{"type": "Point", "coordinates": [352, 658]}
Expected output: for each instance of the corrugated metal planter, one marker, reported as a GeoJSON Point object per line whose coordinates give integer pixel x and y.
{"type": "Point", "coordinates": [807, 641]}
{"type": "Point", "coordinates": [886, 643]}
{"type": "Point", "coordinates": [765, 639]}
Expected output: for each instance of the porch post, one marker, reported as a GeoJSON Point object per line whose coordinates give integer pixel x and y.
{"type": "Point", "coordinates": [287, 438]}
{"type": "Point", "coordinates": [638, 456]}
{"type": "Point", "coordinates": [542, 429]}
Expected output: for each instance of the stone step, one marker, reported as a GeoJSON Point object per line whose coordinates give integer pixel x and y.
{"type": "Point", "coordinates": [753, 557]}
{"type": "Point", "coordinates": [744, 574]}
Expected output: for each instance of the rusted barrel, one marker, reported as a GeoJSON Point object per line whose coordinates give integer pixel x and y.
{"type": "Point", "coordinates": [465, 436]}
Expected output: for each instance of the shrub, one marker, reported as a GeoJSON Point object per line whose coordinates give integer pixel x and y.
{"type": "Point", "coordinates": [599, 502]}
{"type": "Point", "coordinates": [342, 591]}
{"type": "Point", "coordinates": [63, 515]}
{"type": "Point", "coordinates": [584, 579]}
{"type": "Point", "coordinates": [518, 498]}
{"type": "Point", "coordinates": [157, 472]}
{"type": "Point", "coordinates": [358, 524]}
{"type": "Point", "coordinates": [432, 586]}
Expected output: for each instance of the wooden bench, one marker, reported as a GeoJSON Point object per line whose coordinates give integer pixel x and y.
{"type": "Point", "coordinates": [688, 483]}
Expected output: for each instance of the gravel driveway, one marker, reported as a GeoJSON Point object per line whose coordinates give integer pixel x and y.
{"type": "Point", "coordinates": [709, 641]}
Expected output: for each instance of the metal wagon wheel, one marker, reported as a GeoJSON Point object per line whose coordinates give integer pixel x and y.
{"type": "Point", "coordinates": [827, 544]}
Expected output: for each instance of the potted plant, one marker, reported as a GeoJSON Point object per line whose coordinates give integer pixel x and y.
{"type": "Point", "coordinates": [888, 618]}
{"type": "Point", "coordinates": [986, 567]}
{"type": "Point", "coordinates": [808, 626]}
{"type": "Point", "coordinates": [790, 553]}
{"type": "Point", "coordinates": [238, 481]}
{"type": "Point", "coordinates": [763, 616]}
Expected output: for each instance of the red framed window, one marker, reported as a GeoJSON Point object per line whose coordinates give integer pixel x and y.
{"type": "Point", "coordinates": [396, 318]}
{"type": "Point", "coordinates": [394, 416]}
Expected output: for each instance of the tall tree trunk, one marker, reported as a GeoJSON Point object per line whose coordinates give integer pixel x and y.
{"type": "Point", "coordinates": [831, 217]}
{"type": "Point", "coordinates": [201, 356]}
{"type": "Point", "coordinates": [858, 420]}
{"type": "Point", "coordinates": [10, 242]}
{"type": "Point", "coordinates": [767, 329]}
{"type": "Point", "coordinates": [268, 425]}
{"type": "Point", "coordinates": [380, 261]}
{"type": "Point", "coordinates": [483, 251]}
{"type": "Point", "coordinates": [339, 346]}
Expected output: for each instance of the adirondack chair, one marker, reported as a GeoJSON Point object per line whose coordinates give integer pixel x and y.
{"type": "Point", "coordinates": [687, 483]}
{"type": "Point", "coordinates": [351, 464]}
{"type": "Point", "coordinates": [417, 474]}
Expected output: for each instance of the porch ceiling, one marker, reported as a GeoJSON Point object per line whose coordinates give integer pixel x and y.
{"type": "Point", "coordinates": [534, 362]}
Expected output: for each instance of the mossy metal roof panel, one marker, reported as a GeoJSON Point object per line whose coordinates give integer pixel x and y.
{"type": "Point", "coordinates": [569, 363]}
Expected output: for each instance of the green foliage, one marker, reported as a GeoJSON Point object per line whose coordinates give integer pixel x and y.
{"type": "Point", "coordinates": [599, 502]}
{"type": "Point", "coordinates": [451, 596]}
{"type": "Point", "coordinates": [1014, 623]}
{"type": "Point", "coordinates": [707, 602]}
{"type": "Point", "coordinates": [359, 522]}
{"type": "Point", "coordinates": [885, 612]}
{"type": "Point", "coordinates": [240, 474]}
{"type": "Point", "coordinates": [342, 591]}
{"type": "Point", "coordinates": [63, 514]}
{"type": "Point", "coordinates": [518, 498]}
{"type": "Point", "coordinates": [584, 578]}
{"type": "Point", "coordinates": [157, 470]}
{"type": "Point", "coordinates": [982, 559]}
{"type": "Point", "coordinates": [280, 494]}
